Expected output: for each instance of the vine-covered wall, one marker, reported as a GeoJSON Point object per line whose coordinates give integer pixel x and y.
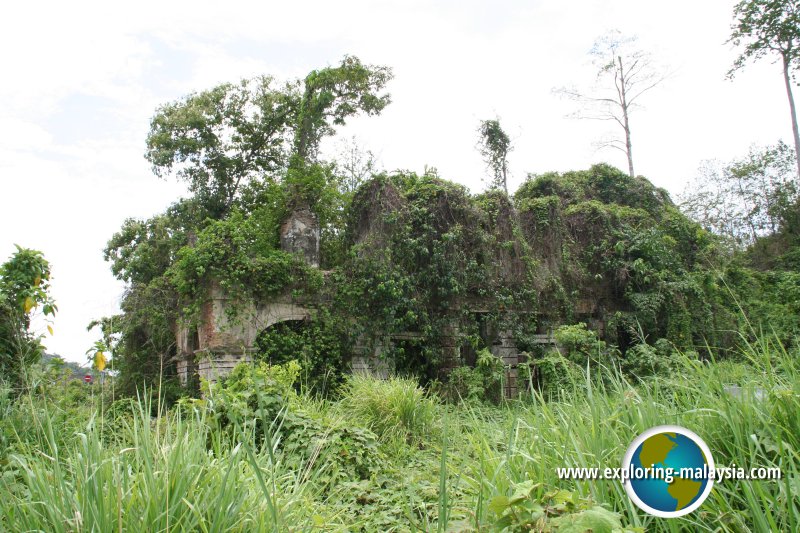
{"type": "Point", "coordinates": [427, 275]}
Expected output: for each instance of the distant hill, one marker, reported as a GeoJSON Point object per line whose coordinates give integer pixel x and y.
{"type": "Point", "coordinates": [77, 370]}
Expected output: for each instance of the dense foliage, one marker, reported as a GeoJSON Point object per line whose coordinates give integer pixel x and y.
{"type": "Point", "coordinates": [447, 271]}
{"type": "Point", "coordinates": [24, 288]}
{"type": "Point", "coordinates": [255, 455]}
{"type": "Point", "coordinates": [427, 276]}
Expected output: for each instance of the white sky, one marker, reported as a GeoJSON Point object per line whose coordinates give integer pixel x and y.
{"type": "Point", "coordinates": [82, 79]}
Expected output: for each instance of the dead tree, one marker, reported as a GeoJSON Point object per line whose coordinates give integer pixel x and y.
{"type": "Point", "coordinates": [624, 74]}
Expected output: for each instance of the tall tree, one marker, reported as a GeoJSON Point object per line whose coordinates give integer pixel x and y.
{"type": "Point", "coordinates": [768, 27]}
{"type": "Point", "coordinates": [219, 139]}
{"type": "Point", "coordinates": [624, 74]}
{"type": "Point", "coordinates": [494, 145]}
{"type": "Point", "coordinates": [333, 94]}
{"type": "Point", "coordinates": [327, 98]}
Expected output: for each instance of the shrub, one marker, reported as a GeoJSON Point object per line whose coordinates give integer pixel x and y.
{"type": "Point", "coordinates": [397, 408]}
{"type": "Point", "coordinates": [341, 452]}
{"type": "Point", "coordinates": [645, 360]}
{"type": "Point", "coordinates": [553, 373]}
{"type": "Point", "coordinates": [252, 396]}
{"type": "Point", "coordinates": [24, 286]}
{"type": "Point", "coordinates": [579, 343]}
{"type": "Point", "coordinates": [484, 382]}
{"type": "Point", "coordinates": [463, 383]}
{"type": "Point", "coordinates": [529, 509]}
{"type": "Point", "coordinates": [260, 400]}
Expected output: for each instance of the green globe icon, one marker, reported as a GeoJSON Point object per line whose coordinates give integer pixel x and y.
{"type": "Point", "coordinates": [669, 471]}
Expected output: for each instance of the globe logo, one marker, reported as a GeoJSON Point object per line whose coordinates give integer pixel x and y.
{"type": "Point", "coordinates": [668, 471]}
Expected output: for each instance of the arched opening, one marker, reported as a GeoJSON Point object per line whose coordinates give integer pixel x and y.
{"type": "Point", "coordinates": [322, 350]}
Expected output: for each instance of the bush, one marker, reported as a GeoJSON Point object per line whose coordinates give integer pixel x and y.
{"type": "Point", "coordinates": [24, 287]}
{"type": "Point", "coordinates": [341, 452]}
{"type": "Point", "coordinates": [579, 343]}
{"type": "Point", "coordinates": [252, 396]}
{"type": "Point", "coordinates": [464, 383]}
{"type": "Point", "coordinates": [556, 510]}
{"type": "Point", "coordinates": [484, 382]}
{"type": "Point", "coordinates": [553, 373]}
{"type": "Point", "coordinates": [260, 400]}
{"type": "Point", "coordinates": [645, 360]}
{"type": "Point", "coordinates": [397, 408]}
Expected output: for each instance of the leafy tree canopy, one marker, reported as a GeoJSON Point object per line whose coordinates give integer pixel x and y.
{"type": "Point", "coordinates": [221, 139]}
{"type": "Point", "coordinates": [766, 27]}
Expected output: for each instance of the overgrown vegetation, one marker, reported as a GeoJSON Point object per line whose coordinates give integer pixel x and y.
{"type": "Point", "coordinates": [515, 334]}
{"type": "Point", "coordinates": [24, 289]}
{"type": "Point", "coordinates": [421, 272]}
{"type": "Point", "coordinates": [255, 455]}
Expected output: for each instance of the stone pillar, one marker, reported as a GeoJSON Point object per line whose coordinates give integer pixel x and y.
{"type": "Point", "coordinates": [186, 344]}
{"type": "Point", "coordinates": [450, 350]}
{"type": "Point", "coordinates": [300, 234]}
{"type": "Point", "coordinates": [506, 349]}
{"type": "Point", "coordinates": [367, 359]}
{"type": "Point", "coordinates": [186, 367]}
{"type": "Point", "coordinates": [215, 364]}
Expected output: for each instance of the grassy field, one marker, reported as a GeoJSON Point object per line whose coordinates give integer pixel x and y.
{"type": "Point", "coordinates": [385, 455]}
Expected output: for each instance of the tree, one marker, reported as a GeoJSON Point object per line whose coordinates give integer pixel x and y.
{"type": "Point", "coordinates": [747, 198]}
{"type": "Point", "coordinates": [24, 286]}
{"type": "Point", "coordinates": [494, 145]}
{"type": "Point", "coordinates": [333, 94]}
{"type": "Point", "coordinates": [219, 139]}
{"type": "Point", "coordinates": [766, 27]}
{"type": "Point", "coordinates": [330, 96]}
{"type": "Point", "coordinates": [624, 74]}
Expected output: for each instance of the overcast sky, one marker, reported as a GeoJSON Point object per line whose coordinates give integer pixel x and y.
{"type": "Point", "coordinates": [82, 79]}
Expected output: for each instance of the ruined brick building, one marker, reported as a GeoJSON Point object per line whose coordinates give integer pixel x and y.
{"type": "Point", "coordinates": [552, 242]}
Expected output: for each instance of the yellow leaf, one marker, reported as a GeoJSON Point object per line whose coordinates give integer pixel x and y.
{"type": "Point", "coordinates": [28, 305]}
{"type": "Point", "coordinates": [50, 329]}
{"type": "Point", "coordinates": [37, 281]}
{"type": "Point", "coordinates": [100, 361]}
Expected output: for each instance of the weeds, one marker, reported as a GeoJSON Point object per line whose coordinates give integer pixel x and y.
{"type": "Point", "coordinates": [432, 467]}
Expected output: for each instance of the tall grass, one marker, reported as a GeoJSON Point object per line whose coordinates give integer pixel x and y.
{"type": "Point", "coordinates": [593, 423]}
{"type": "Point", "coordinates": [175, 474]}
{"type": "Point", "coordinates": [443, 464]}
{"type": "Point", "coordinates": [397, 408]}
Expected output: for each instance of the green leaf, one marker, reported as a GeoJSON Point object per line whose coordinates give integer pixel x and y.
{"type": "Point", "coordinates": [597, 520]}
{"type": "Point", "coordinates": [499, 504]}
{"type": "Point", "coordinates": [523, 491]}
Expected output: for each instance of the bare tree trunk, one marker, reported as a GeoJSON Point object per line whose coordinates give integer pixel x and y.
{"type": "Point", "coordinates": [628, 149]}
{"type": "Point", "coordinates": [626, 124]}
{"type": "Point", "coordinates": [792, 110]}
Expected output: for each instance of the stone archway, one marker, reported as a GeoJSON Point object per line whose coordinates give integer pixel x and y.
{"type": "Point", "coordinates": [224, 339]}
